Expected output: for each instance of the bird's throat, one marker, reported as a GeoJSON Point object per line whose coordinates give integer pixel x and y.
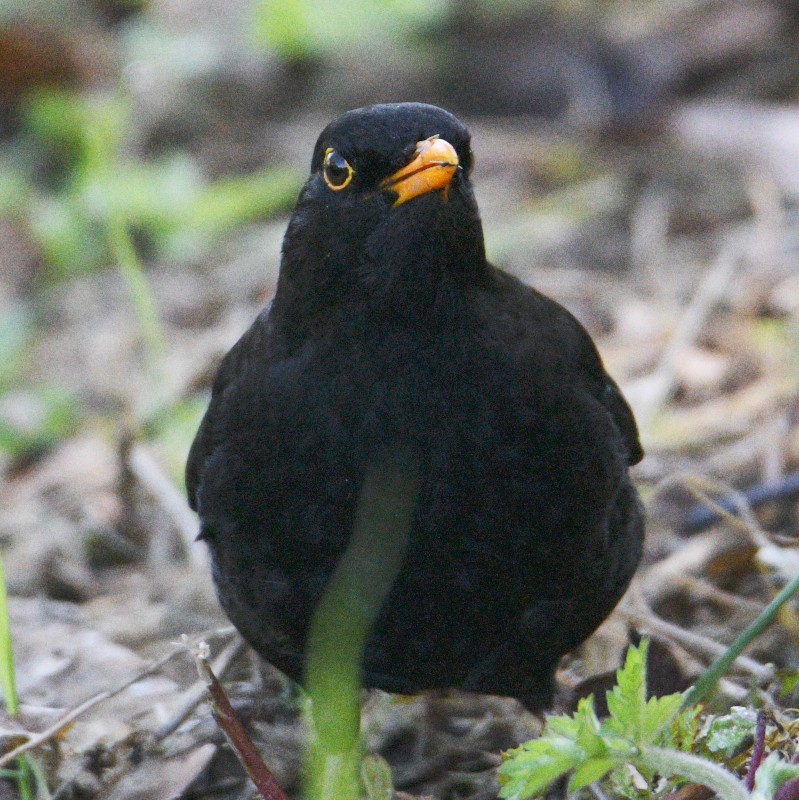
{"type": "Point", "coordinates": [420, 276]}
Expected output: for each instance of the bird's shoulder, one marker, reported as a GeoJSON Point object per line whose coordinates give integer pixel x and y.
{"type": "Point", "coordinates": [540, 337]}
{"type": "Point", "coordinates": [247, 353]}
{"type": "Point", "coordinates": [245, 357]}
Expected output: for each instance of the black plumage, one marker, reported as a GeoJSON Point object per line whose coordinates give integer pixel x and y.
{"type": "Point", "coordinates": [390, 332]}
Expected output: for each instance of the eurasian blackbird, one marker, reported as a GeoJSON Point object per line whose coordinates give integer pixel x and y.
{"type": "Point", "coordinates": [391, 333]}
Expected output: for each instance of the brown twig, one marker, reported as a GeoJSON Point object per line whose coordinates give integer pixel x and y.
{"type": "Point", "coordinates": [639, 613]}
{"type": "Point", "coordinates": [700, 485]}
{"type": "Point", "coordinates": [702, 589]}
{"type": "Point", "coordinates": [37, 739]}
{"type": "Point", "coordinates": [195, 694]}
{"type": "Point", "coordinates": [235, 732]}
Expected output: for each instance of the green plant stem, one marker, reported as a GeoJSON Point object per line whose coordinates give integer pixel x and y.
{"type": "Point", "coordinates": [132, 271]}
{"type": "Point", "coordinates": [25, 772]}
{"type": "Point", "coordinates": [7, 675]}
{"type": "Point", "coordinates": [705, 685]}
{"type": "Point", "coordinates": [671, 763]}
{"type": "Point", "coordinates": [8, 682]}
{"type": "Point", "coordinates": [344, 617]}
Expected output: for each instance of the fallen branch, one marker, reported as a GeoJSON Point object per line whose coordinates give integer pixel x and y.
{"type": "Point", "coordinates": [235, 732]}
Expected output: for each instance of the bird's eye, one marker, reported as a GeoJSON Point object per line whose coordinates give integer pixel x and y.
{"type": "Point", "coordinates": [337, 171]}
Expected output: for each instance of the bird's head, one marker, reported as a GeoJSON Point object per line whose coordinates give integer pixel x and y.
{"type": "Point", "coordinates": [387, 215]}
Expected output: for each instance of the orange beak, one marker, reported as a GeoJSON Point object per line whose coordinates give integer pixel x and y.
{"type": "Point", "coordinates": [432, 168]}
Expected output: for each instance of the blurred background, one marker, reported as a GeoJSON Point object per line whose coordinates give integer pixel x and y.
{"type": "Point", "coordinates": [638, 161]}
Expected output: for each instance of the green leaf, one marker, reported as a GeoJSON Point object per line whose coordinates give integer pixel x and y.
{"type": "Point", "coordinates": [90, 125]}
{"type": "Point", "coordinates": [634, 717]}
{"type": "Point", "coordinates": [376, 778]}
{"type": "Point", "coordinates": [658, 716]}
{"type": "Point", "coordinates": [590, 771]}
{"type": "Point", "coordinates": [771, 775]}
{"type": "Point", "coordinates": [314, 28]}
{"type": "Point", "coordinates": [566, 743]}
{"type": "Point", "coordinates": [531, 768]}
{"type": "Point", "coordinates": [285, 26]}
{"type": "Point", "coordinates": [54, 115]}
{"type": "Point", "coordinates": [588, 734]}
{"type": "Point", "coordinates": [726, 733]}
{"type": "Point", "coordinates": [229, 202]}
{"type": "Point", "coordinates": [650, 736]}
{"type": "Point", "coordinates": [684, 729]}
{"type": "Point", "coordinates": [69, 242]}
{"type": "Point", "coordinates": [35, 418]}
{"type": "Point", "coordinates": [563, 725]}
{"type": "Point", "coordinates": [788, 682]}
{"type": "Point", "coordinates": [627, 700]}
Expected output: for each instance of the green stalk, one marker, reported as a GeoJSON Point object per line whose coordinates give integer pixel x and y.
{"type": "Point", "coordinates": [671, 763]}
{"type": "Point", "coordinates": [705, 685]}
{"type": "Point", "coordinates": [132, 271]}
{"type": "Point", "coordinates": [344, 617]}
{"type": "Point", "coordinates": [8, 682]}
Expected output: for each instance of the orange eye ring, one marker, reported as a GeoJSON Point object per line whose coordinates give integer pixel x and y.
{"type": "Point", "coordinates": [336, 170]}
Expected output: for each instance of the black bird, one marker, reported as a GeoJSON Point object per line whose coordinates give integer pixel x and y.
{"type": "Point", "coordinates": [390, 332]}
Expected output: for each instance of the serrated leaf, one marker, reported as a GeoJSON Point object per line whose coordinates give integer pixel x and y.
{"type": "Point", "coordinates": [619, 746]}
{"type": "Point", "coordinates": [592, 770]}
{"type": "Point", "coordinates": [588, 735]}
{"type": "Point", "coordinates": [535, 779]}
{"type": "Point", "coordinates": [634, 717]}
{"type": "Point", "coordinates": [531, 768]}
{"type": "Point", "coordinates": [657, 717]}
{"type": "Point", "coordinates": [627, 700]}
{"type": "Point", "coordinates": [562, 725]}
{"type": "Point", "coordinates": [684, 728]}
{"type": "Point", "coordinates": [532, 784]}
{"type": "Point", "coordinates": [590, 748]}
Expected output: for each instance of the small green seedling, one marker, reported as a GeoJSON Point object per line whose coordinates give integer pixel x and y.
{"type": "Point", "coordinates": [642, 749]}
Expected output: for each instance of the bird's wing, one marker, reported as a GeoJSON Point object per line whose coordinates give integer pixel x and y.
{"type": "Point", "coordinates": [622, 414]}
{"type": "Point", "coordinates": [542, 331]}
{"type": "Point", "coordinates": [249, 345]}
{"type": "Point", "coordinates": [601, 385]}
